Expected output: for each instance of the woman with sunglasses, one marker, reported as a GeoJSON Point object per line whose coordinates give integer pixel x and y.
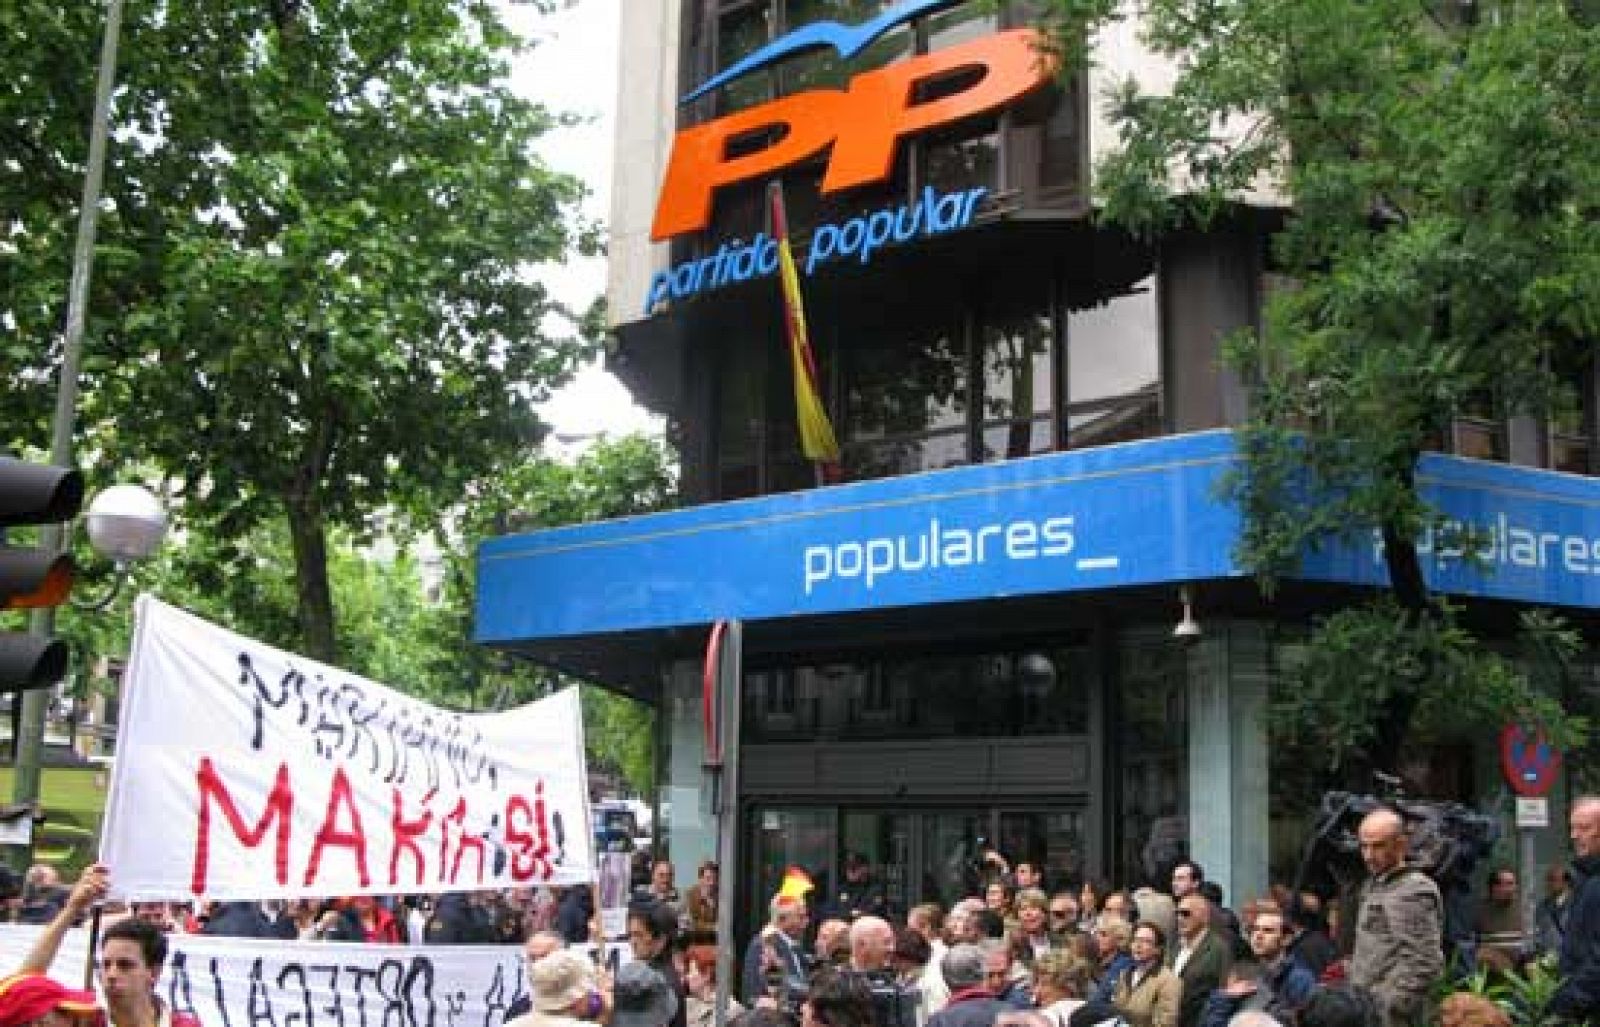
{"type": "Point", "coordinates": [1148, 994]}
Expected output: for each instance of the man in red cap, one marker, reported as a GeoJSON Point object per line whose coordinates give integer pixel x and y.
{"type": "Point", "coordinates": [132, 954]}
{"type": "Point", "coordinates": [34, 1000]}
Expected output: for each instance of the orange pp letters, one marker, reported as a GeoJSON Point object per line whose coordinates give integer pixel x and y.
{"type": "Point", "coordinates": [865, 125]}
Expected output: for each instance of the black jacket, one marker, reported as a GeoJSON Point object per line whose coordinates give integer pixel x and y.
{"type": "Point", "coordinates": [1579, 995]}
{"type": "Point", "coordinates": [572, 916]}
{"type": "Point", "coordinates": [1315, 949]}
{"type": "Point", "coordinates": [458, 921]}
{"type": "Point", "coordinates": [238, 920]}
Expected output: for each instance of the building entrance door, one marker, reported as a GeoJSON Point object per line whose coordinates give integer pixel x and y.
{"type": "Point", "coordinates": [927, 854]}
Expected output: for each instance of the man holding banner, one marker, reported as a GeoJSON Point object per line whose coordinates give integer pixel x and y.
{"type": "Point", "coordinates": [132, 954]}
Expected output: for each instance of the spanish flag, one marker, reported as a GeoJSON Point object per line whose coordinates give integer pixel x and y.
{"type": "Point", "coordinates": [816, 431]}
{"type": "Point", "coordinates": [796, 882]}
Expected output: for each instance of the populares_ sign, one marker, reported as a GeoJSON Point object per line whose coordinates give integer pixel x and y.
{"type": "Point", "coordinates": [245, 772]}
{"type": "Point", "coordinates": [863, 123]}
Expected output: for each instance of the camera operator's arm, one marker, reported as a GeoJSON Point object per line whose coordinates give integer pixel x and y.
{"type": "Point", "coordinates": [91, 888]}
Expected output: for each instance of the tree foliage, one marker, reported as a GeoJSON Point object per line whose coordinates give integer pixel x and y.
{"type": "Point", "coordinates": [315, 289]}
{"type": "Point", "coordinates": [400, 624]}
{"type": "Point", "coordinates": [1440, 252]}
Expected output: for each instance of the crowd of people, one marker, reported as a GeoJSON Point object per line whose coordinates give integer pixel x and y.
{"type": "Point", "coordinates": [1021, 954]}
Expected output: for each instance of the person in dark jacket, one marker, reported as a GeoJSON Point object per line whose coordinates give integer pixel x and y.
{"type": "Point", "coordinates": [651, 930]}
{"type": "Point", "coordinates": [1310, 942]}
{"type": "Point", "coordinates": [574, 914]}
{"type": "Point", "coordinates": [1272, 981]}
{"type": "Point", "coordinates": [1578, 998]}
{"type": "Point", "coordinates": [456, 920]}
{"type": "Point", "coordinates": [238, 920]}
{"type": "Point", "coordinates": [972, 1003]}
{"type": "Point", "coordinates": [860, 895]}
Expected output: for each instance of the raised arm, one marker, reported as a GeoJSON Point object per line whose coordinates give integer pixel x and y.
{"type": "Point", "coordinates": [91, 888]}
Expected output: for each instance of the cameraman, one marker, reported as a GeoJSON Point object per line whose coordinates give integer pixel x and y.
{"type": "Point", "coordinates": [838, 1000]}
{"type": "Point", "coordinates": [872, 962]}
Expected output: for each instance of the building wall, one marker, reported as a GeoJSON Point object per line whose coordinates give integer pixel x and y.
{"type": "Point", "coordinates": [647, 101]}
{"type": "Point", "coordinates": [1118, 54]}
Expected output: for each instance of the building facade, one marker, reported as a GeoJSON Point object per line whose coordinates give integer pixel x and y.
{"type": "Point", "coordinates": [969, 640]}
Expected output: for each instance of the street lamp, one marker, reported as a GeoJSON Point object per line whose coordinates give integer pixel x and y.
{"type": "Point", "coordinates": [126, 524]}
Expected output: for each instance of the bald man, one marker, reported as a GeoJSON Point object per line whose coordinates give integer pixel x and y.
{"type": "Point", "coordinates": [1399, 944]}
{"type": "Point", "coordinates": [871, 945]}
{"type": "Point", "coordinates": [1579, 996]}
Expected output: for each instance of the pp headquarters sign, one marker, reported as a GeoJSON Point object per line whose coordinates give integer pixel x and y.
{"type": "Point", "coordinates": [862, 128]}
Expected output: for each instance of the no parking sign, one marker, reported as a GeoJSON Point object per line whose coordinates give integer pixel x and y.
{"type": "Point", "coordinates": [1528, 760]}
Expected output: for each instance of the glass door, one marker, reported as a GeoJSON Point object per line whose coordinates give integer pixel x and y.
{"type": "Point", "coordinates": [949, 863]}
{"type": "Point", "coordinates": [916, 855]}
{"type": "Point", "coordinates": [1051, 839]}
{"type": "Point", "coordinates": [884, 839]}
{"type": "Point", "coordinates": [784, 837]}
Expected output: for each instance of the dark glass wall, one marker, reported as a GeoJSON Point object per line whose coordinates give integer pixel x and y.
{"type": "Point", "coordinates": [1003, 693]}
{"type": "Point", "coordinates": [992, 369]}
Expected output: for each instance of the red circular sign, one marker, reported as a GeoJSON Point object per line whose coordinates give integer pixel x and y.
{"type": "Point", "coordinates": [1529, 761]}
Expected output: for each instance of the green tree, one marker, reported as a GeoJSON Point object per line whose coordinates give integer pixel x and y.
{"type": "Point", "coordinates": [1443, 254]}
{"type": "Point", "coordinates": [632, 474]}
{"type": "Point", "coordinates": [316, 289]}
{"type": "Point", "coordinates": [390, 628]}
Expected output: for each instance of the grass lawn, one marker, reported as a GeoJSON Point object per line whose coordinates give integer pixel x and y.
{"type": "Point", "coordinates": [73, 800]}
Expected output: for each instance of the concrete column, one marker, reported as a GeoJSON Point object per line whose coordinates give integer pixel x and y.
{"type": "Point", "coordinates": [688, 830]}
{"type": "Point", "coordinates": [1228, 787]}
{"type": "Point", "coordinates": [1525, 441]}
{"type": "Point", "coordinates": [1209, 287]}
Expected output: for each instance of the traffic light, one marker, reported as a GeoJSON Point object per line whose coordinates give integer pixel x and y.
{"type": "Point", "coordinates": [34, 494]}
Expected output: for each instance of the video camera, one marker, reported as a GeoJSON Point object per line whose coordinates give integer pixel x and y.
{"type": "Point", "coordinates": [789, 990]}
{"type": "Point", "coordinates": [893, 1004]}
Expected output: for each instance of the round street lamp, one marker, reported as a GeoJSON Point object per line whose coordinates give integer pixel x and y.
{"type": "Point", "coordinates": [126, 524]}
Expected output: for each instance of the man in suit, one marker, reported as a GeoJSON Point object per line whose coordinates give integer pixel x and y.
{"type": "Point", "coordinates": [777, 945]}
{"type": "Point", "coordinates": [1200, 959]}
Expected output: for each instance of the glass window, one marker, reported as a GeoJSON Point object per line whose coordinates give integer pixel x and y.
{"type": "Point", "coordinates": [1063, 149]}
{"type": "Point", "coordinates": [906, 382]}
{"type": "Point", "coordinates": [1053, 839]}
{"type": "Point", "coordinates": [884, 839]}
{"type": "Point", "coordinates": [961, 24]}
{"type": "Point", "coordinates": [788, 837]}
{"type": "Point", "coordinates": [952, 845]}
{"type": "Point", "coordinates": [905, 395]}
{"type": "Point", "coordinates": [1018, 340]}
{"type": "Point", "coordinates": [741, 31]}
{"type": "Point", "coordinates": [1113, 369]}
{"type": "Point", "coordinates": [1154, 755]}
{"type": "Point", "coordinates": [969, 161]}
{"type": "Point", "coordinates": [823, 68]}
{"type": "Point", "coordinates": [741, 415]}
{"type": "Point", "coordinates": [1042, 691]}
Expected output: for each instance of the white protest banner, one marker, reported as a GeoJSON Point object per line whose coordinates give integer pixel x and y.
{"type": "Point", "coordinates": [247, 772]}
{"type": "Point", "coordinates": [245, 982]}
